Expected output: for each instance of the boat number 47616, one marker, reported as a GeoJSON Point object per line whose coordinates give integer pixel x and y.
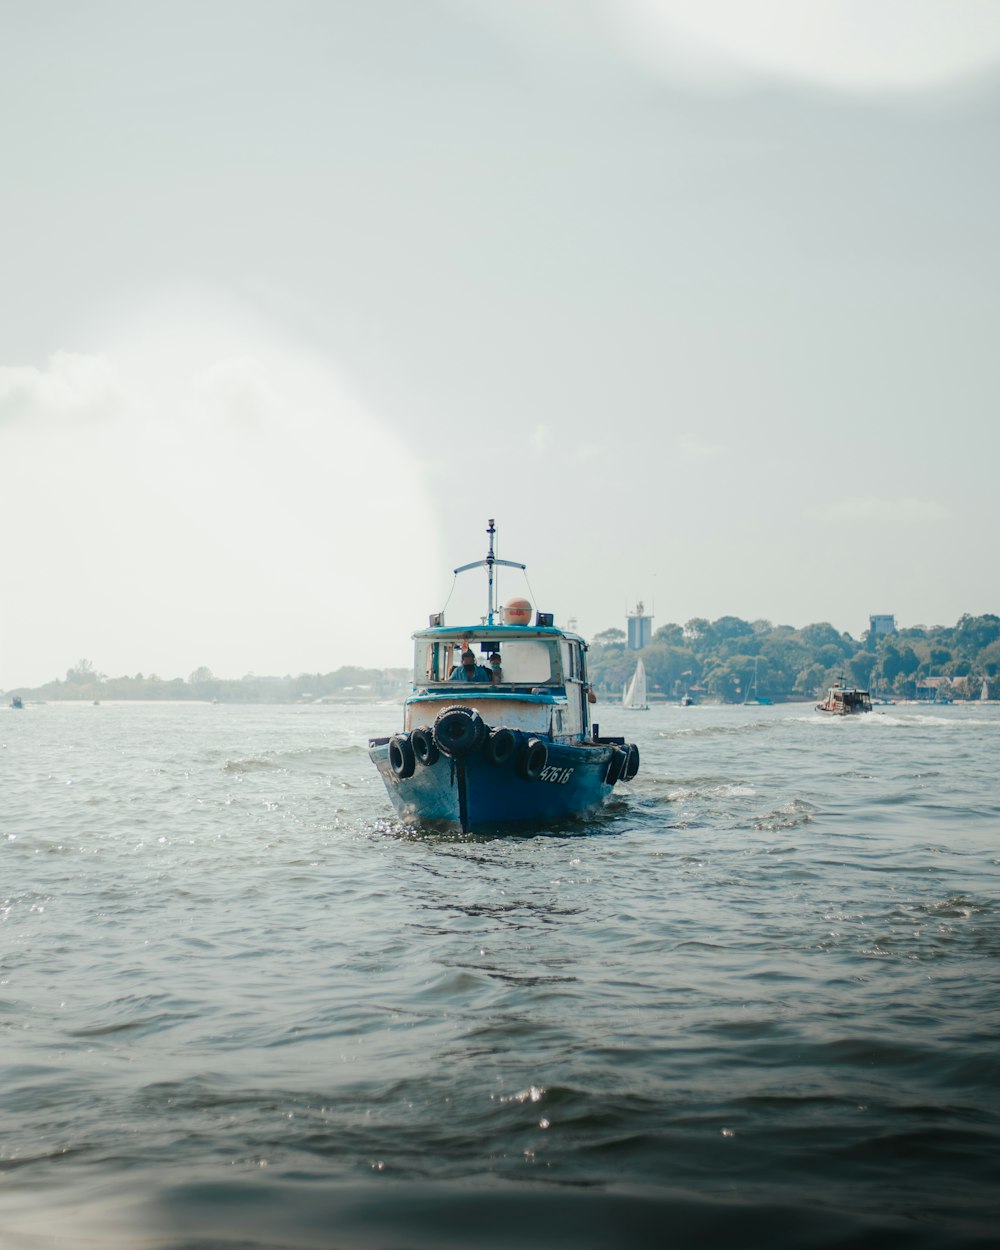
{"type": "Point", "coordinates": [558, 776]}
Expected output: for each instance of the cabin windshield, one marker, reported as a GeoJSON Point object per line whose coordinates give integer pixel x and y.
{"type": "Point", "coordinates": [511, 662]}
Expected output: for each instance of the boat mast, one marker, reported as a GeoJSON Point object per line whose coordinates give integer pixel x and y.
{"type": "Point", "coordinates": [752, 685]}
{"type": "Point", "coordinates": [491, 529]}
{"type": "Point", "coordinates": [488, 564]}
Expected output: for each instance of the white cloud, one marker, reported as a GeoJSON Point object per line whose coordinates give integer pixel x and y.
{"type": "Point", "coordinates": [238, 390]}
{"type": "Point", "coordinates": [855, 46]}
{"type": "Point", "coordinates": [237, 507]}
{"type": "Point", "coordinates": [73, 386]}
{"type": "Point", "coordinates": [887, 511]}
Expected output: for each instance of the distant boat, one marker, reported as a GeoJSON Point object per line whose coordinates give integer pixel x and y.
{"type": "Point", "coordinates": [17, 701]}
{"type": "Point", "coordinates": [686, 701]}
{"type": "Point", "coordinates": [634, 696]}
{"type": "Point", "coordinates": [843, 700]}
{"type": "Point", "coordinates": [984, 694]}
{"type": "Point", "coordinates": [879, 698]}
{"type": "Point", "coordinates": [751, 695]}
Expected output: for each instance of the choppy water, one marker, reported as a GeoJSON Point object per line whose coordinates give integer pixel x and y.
{"type": "Point", "coordinates": [757, 1001]}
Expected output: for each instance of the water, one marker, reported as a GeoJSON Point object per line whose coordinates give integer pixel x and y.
{"type": "Point", "coordinates": [758, 1000]}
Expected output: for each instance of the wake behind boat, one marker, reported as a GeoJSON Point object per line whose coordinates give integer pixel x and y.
{"type": "Point", "coordinates": [497, 731]}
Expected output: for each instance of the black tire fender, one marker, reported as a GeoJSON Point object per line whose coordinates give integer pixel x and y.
{"type": "Point", "coordinates": [615, 765]}
{"type": "Point", "coordinates": [401, 759]}
{"type": "Point", "coordinates": [531, 761]}
{"type": "Point", "coordinates": [631, 766]}
{"type": "Point", "coordinates": [424, 747]}
{"type": "Point", "coordinates": [501, 746]}
{"type": "Point", "coordinates": [459, 731]}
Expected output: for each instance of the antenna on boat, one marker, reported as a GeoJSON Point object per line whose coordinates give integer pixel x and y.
{"type": "Point", "coordinates": [488, 564]}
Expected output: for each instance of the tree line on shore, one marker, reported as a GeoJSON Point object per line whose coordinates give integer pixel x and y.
{"type": "Point", "coordinates": [83, 681]}
{"type": "Point", "coordinates": [721, 658]}
{"type": "Point", "coordinates": [717, 659]}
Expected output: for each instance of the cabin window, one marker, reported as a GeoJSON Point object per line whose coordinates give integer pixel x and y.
{"type": "Point", "coordinates": [434, 661]}
{"type": "Point", "coordinates": [424, 658]}
{"type": "Point", "coordinates": [526, 663]}
{"type": "Point", "coordinates": [523, 662]}
{"type": "Point", "coordinates": [571, 661]}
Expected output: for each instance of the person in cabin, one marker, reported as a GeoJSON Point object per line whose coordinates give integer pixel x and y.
{"type": "Point", "coordinates": [495, 671]}
{"type": "Point", "coordinates": [469, 670]}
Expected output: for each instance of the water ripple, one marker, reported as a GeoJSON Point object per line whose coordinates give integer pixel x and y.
{"type": "Point", "coordinates": [754, 1001]}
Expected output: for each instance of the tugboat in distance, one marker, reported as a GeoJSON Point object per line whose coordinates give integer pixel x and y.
{"type": "Point", "coordinates": [503, 738]}
{"type": "Point", "coordinates": [844, 700]}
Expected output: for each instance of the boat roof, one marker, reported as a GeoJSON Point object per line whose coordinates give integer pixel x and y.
{"type": "Point", "coordinates": [496, 633]}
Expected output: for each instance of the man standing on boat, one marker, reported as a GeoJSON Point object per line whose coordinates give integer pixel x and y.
{"type": "Point", "coordinates": [469, 670]}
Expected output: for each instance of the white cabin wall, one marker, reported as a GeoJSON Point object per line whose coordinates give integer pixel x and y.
{"type": "Point", "coordinates": [528, 716]}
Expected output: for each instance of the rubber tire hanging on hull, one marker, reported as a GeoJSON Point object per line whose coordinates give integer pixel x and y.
{"type": "Point", "coordinates": [631, 766]}
{"type": "Point", "coordinates": [532, 759]}
{"type": "Point", "coordinates": [459, 731]}
{"type": "Point", "coordinates": [401, 758]}
{"type": "Point", "coordinates": [615, 766]}
{"type": "Point", "coordinates": [501, 746]}
{"type": "Point", "coordinates": [424, 747]}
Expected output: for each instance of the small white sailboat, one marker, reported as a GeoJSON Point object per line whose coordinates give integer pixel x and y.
{"type": "Point", "coordinates": [984, 693]}
{"type": "Point", "coordinates": [634, 695]}
{"type": "Point", "coordinates": [751, 695]}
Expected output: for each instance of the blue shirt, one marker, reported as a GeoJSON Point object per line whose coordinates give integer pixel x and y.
{"type": "Point", "coordinates": [478, 674]}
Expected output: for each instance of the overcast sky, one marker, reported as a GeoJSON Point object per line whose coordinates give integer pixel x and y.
{"type": "Point", "coordinates": [698, 298]}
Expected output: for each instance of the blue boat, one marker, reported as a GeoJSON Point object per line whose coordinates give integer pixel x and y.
{"type": "Point", "coordinates": [496, 731]}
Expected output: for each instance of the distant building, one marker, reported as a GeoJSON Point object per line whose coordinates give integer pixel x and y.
{"type": "Point", "coordinates": [879, 626]}
{"type": "Point", "coordinates": [640, 628]}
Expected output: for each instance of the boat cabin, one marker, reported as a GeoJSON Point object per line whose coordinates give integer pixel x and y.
{"type": "Point", "coordinates": [529, 677]}
{"type": "Point", "coordinates": [511, 662]}
{"type": "Point", "coordinates": [844, 701]}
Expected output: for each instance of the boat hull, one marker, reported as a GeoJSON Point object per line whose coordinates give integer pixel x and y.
{"type": "Point", "coordinates": [840, 709]}
{"type": "Point", "coordinates": [470, 794]}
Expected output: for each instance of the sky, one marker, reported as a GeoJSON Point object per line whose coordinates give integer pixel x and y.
{"type": "Point", "coordinates": [697, 298]}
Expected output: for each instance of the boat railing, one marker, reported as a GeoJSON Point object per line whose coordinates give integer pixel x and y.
{"type": "Point", "coordinates": [480, 690]}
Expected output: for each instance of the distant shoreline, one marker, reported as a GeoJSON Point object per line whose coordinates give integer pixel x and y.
{"type": "Point", "coordinates": [718, 661]}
